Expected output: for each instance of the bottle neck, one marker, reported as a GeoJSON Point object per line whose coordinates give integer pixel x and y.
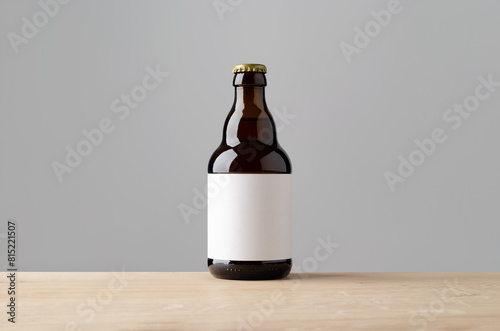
{"type": "Point", "coordinates": [249, 119]}
{"type": "Point", "coordinates": [250, 99]}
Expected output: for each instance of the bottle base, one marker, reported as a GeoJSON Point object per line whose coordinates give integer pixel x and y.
{"type": "Point", "coordinates": [250, 270]}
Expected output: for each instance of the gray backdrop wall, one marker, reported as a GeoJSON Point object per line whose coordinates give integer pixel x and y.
{"type": "Point", "coordinates": [389, 111]}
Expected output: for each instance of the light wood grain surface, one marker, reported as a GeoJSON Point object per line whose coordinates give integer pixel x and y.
{"type": "Point", "coordinates": [304, 301]}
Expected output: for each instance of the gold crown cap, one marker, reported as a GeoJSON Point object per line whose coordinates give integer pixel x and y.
{"type": "Point", "coordinates": [249, 67]}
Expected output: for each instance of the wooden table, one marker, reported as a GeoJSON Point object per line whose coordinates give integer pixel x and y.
{"type": "Point", "coordinates": [304, 301]}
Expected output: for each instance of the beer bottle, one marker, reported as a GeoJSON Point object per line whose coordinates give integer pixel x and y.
{"type": "Point", "coordinates": [249, 189]}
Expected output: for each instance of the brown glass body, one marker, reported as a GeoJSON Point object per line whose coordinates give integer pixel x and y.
{"type": "Point", "coordinates": [249, 145]}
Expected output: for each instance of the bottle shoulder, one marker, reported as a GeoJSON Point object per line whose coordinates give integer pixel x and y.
{"type": "Point", "coordinates": [250, 157]}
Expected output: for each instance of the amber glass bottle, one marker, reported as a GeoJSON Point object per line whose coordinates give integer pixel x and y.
{"type": "Point", "coordinates": [249, 189]}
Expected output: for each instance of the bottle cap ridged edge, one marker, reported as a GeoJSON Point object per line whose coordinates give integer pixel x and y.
{"type": "Point", "coordinates": [249, 67]}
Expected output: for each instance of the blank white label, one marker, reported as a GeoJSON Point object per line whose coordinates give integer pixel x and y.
{"type": "Point", "coordinates": [249, 216]}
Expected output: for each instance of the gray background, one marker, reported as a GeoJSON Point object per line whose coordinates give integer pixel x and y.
{"type": "Point", "coordinates": [119, 209]}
